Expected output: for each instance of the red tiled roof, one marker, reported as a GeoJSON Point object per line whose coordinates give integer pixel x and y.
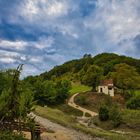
{"type": "Point", "coordinates": [107, 82]}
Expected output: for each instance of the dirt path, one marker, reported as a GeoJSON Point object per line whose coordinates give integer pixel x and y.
{"type": "Point", "coordinates": [60, 132]}
{"type": "Point", "coordinates": [74, 105]}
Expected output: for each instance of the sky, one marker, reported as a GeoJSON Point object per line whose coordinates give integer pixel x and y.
{"type": "Point", "coordinates": [44, 33]}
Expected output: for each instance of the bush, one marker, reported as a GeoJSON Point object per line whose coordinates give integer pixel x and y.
{"type": "Point", "coordinates": [103, 113]}
{"type": "Point", "coordinates": [115, 116]}
{"type": "Point", "coordinates": [10, 136]}
{"type": "Point", "coordinates": [128, 94]}
{"type": "Point", "coordinates": [134, 102]}
{"type": "Point", "coordinates": [82, 100]}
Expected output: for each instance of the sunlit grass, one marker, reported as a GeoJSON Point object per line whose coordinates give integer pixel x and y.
{"type": "Point", "coordinates": [79, 88]}
{"type": "Point", "coordinates": [137, 92]}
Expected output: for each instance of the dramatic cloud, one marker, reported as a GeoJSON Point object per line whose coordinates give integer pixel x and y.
{"type": "Point", "coordinates": [45, 33]}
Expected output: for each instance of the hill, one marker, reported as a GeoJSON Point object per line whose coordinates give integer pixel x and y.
{"type": "Point", "coordinates": [73, 70]}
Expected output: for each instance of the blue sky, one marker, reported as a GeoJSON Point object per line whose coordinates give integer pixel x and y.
{"type": "Point", "coordinates": [44, 33]}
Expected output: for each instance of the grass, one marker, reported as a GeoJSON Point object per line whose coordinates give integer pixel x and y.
{"type": "Point", "coordinates": [58, 116]}
{"type": "Point", "coordinates": [55, 115]}
{"type": "Point", "coordinates": [137, 92]}
{"type": "Point", "coordinates": [92, 100]}
{"type": "Point", "coordinates": [76, 88]}
{"type": "Point", "coordinates": [69, 110]}
{"type": "Point", "coordinates": [130, 118]}
{"type": "Point", "coordinates": [87, 115]}
{"type": "Point", "coordinates": [5, 135]}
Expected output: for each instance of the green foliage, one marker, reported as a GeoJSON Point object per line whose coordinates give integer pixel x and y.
{"type": "Point", "coordinates": [87, 115]}
{"type": "Point", "coordinates": [127, 94]}
{"type": "Point", "coordinates": [103, 113]}
{"type": "Point", "coordinates": [134, 102]}
{"type": "Point", "coordinates": [131, 117]}
{"type": "Point", "coordinates": [115, 116]}
{"type": "Point", "coordinates": [93, 76]}
{"type": "Point", "coordinates": [62, 90]}
{"type": "Point", "coordinates": [76, 69]}
{"type": "Point", "coordinates": [10, 136]}
{"type": "Point", "coordinates": [126, 77]}
{"type": "Point", "coordinates": [17, 100]}
{"type": "Point", "coordinates": [50, 92]}
{"type": "Point", "coordinates": [77, 88]}
{"type": "Point", "coordinates": [26, 103]}
{"type": "Point", "coordinates": [82, 100]}
{"type": "Point", "coordinates": [6, 79]}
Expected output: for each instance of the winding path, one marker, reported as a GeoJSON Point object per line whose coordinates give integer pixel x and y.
{"type": "Point", "coordinates": [61, 132]}
{"type": "Point", "coordinates": [74, 105]}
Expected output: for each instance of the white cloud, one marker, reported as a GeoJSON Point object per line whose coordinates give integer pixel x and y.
{"type": "Point", "coordinates": [116, 24]}
{"type": "Point", "coordinates": [44, 42]}
{"type": "Point", "coordinates": [18, 45]}
{"type": "Point", "coordinates": [9, 57]}
{"type": "Point", "coordinates": [121, 18]}
{"type": "Point", "coordinates": [57, 8]}
{"type": "Point", "coordinates": [36, 10]}
{"type": "Point", "coordinates": [7, 60]}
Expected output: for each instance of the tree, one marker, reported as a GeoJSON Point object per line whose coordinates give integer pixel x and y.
{"type": "Point", "coordinates": [126, 78]}
{"type": "Point", "coordinates": [93, 76]}
{"type": "Point", "coordinates": [50, 92]}
{"type": "Point", "coordinates": [6, 79]}
{"type": "Point", "coordinates": [115, 115]}
{"type": "Point", "coordinates": [87, 56]}
{"type": "Point", "coordinates": [103, 113]}
{"type": "Point", "coordinates": [134, 102]}
{"type": "Point", "coordinates": [17, 101]}
{"type": "Point", "coordinates": [62, 89]}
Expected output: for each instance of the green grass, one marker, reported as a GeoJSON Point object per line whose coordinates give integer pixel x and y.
{"type": "Point", "coordinates": [10, 136]}
{"type": "Point", "coordinates": [87, 115]}
{"type": "Point", "coordinates": [69, 110]}
{"type": "Point", "coordinates": [58, 116]}
{"type": "Point", "coordinates": [76, 88]}
{"type": "Point", "coordinates": [130, 121]}
{"type": "Point", "coordinates": [55, 115]}
{"type": "Point", "coordinates": [131, 117]}
{"type": "Point", "coordinates": [137, 92]}
{"type": "Point", "coordinates": [92, 100]}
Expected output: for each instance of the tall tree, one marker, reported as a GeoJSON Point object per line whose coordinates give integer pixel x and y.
{"type": "Point", "coordinates": [126, 77]}
{"type": "Point", "coordinates": [93, 76]}
{"type": "Point", "coordinates": [16, 99]}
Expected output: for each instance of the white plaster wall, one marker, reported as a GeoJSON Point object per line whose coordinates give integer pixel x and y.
{"type": "Point", "coordinates": [106, 90]}
{"type": "Point", "coordinates": [111, 92]}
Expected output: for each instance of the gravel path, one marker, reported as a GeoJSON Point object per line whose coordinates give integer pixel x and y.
{"type": "Point", "coordinates": [60, 132]}
{"type": "Point", "coordinates": [74, 105]}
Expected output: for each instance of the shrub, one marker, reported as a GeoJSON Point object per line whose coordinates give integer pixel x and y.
{"type": "Point", "coordinates": [87, 115]}
{"type": "Point", "coordinates": [82, 100]}
{"type": "Point", "coordinates": [103, 113]}
{"type": "Point", "coordinates": [134, 102]}
{"type": "Point", "coordinates": [10, 136]}
{"type": "Point", "coordinates": [115, 116]}
{"type": "Point", "coordinates": [128, 94]}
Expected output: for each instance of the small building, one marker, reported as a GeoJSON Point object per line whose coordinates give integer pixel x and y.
{"type": "Point", "coordinates": [107, 87]}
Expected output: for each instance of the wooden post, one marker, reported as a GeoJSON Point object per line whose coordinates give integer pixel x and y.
{"type": "Point", "coordinates": [32, 135]}
{"type": "Point", "coordinates": [37, 135]}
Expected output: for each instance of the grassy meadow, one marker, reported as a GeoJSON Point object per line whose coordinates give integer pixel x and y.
{"type": "Point", "coordinates": [70, 121]}
{"type": "Point", "coordinates": [76, 88]}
